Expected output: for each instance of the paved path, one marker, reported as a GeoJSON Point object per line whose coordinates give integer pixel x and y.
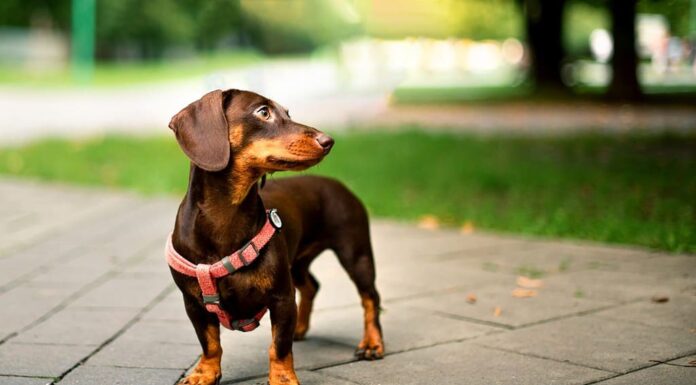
{"type": "Point", "coordinates": [318, 92]}
{"type": "Point", "coordinates": [87, 299]}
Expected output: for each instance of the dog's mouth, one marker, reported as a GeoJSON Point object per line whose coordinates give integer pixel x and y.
{"type": "Point", "coordinates": [279, 163]}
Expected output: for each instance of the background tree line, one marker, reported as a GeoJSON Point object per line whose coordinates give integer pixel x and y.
{"type": "Point", "coordinates": [153, 28]}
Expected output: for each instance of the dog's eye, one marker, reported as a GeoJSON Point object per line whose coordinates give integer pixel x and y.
{"type": "Point", "coordinates": [263, 113]}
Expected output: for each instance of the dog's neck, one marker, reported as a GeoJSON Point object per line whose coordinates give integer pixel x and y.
{"type": "Point", "coordinates": [221, 217]}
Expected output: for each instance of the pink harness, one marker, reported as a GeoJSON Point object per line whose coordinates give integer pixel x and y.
{"type": "Point", "coordinates": [207, 274]}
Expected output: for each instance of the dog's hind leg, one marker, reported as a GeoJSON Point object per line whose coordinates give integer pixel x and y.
{"type": "Point", "coordinates": [356, 258]}
{"type": "Point", "coordinates": [307, 286]}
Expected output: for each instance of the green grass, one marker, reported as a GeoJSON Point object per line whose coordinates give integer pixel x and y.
{"type": "Point", "coordinates": [621, 189]}
{"type": "Point", "coordinates": [670, 94]}
{"type": "Point", "coordinates": [114, 74]}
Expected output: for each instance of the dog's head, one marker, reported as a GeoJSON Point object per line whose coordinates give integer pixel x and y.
{"type": "Point", "coordinates": [250, 130]}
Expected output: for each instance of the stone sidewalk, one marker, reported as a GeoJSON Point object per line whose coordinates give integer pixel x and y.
{"type": "Point", "coordinates": [86, 298]}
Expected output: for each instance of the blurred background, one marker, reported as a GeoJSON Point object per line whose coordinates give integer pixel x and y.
{"type": "Point", "coordinates": [571, 118]}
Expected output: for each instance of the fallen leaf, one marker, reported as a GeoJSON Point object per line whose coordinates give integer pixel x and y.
{"type": "Point", "coordinates": [529, 283]}
{"type": "Point", "coordinates": [524, 293]}
{"type": "Point", "coordinates": [497, 311]}
{"type": "Point", "coordinates": [471, 298]}
{"type": "Point", "coordinates": [429, 222]}
{"type": "Point", "coordinates": [660, 298]}
{"type": "Point", "coordinates": [467, 227]}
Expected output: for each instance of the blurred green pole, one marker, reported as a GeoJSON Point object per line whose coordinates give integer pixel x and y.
{"type": "Point", "coordinates": [692, 20]}
{"type": "Point", "coordinates": [82, 50]}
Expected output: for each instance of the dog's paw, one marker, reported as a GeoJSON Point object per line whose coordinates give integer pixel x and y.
{"type": "Point", "coordinates": [198, 378]}
{"type": "Point", "coordinates": [370, 350]}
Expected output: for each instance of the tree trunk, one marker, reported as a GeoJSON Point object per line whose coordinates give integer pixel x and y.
{"type": "Point", "coordinates": [624, 63]}
{"type": "Point", "coordinates": [544, 22]}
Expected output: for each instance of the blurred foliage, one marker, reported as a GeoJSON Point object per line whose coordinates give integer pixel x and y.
{"type": "Point", "coordinates": [474, 19]}
{"type": "Point", "coordinates": [581, 19]}
{"type": "Point", "coordinates": [676, 12]}
{"type": "Point", "coordinates": [132, 28]}
{"type": "Point", "coordinates": [298, 26]}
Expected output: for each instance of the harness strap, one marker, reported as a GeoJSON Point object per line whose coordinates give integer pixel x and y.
{"type": "Point", "coordinates": [207, 274]}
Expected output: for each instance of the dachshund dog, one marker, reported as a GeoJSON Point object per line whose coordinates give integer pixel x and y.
{"type": "Point", "coordinates": [233, 139]}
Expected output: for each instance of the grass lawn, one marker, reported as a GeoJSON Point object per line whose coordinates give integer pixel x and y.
{"type": "Point", "coordinates": [671, 94]}
{"type": "Point", "coordinates": [628, 189]}
{"type": "Point", "coordinates": [114, 74]}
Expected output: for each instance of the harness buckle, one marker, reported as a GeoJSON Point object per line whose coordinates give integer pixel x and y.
{"type": "Point", "coordinates": [243, 249]}
{"type": "Point", "coordinates": [211, 299]}
{"type": "Point", "coordinates": [242, 323]}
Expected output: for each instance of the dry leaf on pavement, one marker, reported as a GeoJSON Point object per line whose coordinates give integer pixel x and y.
{"type": "Point", "coordinates": [497, 311]}
{"type": "Point", "coordinates": [660, 298]}
{"type": "Point", "coordinates": [429, 222]}
{"type": "Point", "coordinates": [467, 227]}
{"type": "Point", "coordinates": [471, 298]}
{"type": "Point", "coordinates": [524, 293]}
{"type": "Point", "coordinates": [529, 283]}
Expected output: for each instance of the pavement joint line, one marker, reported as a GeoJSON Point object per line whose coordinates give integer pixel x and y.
{"type": "Point", "coordinates": [545, 358]}
{"type": "Point", "coordinates": [580, 313]}
{"type": "Point", "coordinates": [74, 251]}
{"type": "Point", "coordinates": [71, 253]}
{"type": "Point", "coordinates": [63, 304]}
{"type": "Point", "coordinates": [635, 322]}
{"type": "Point", "coordinates": [25, 376]}
{"type": "Point", "coordinates": [397, 352]}
{"type": "Point", "coordinates": [114, 206]}
{"type": "Point", "coordinates": [651, 365]}
{"type": "Point", "coordinates": [394, 300]}
{"type": "Point", "coordinates": [473, 320]}
{"type": "Point", "coordinates": [71, 298]}
{"type": "Point", "coordinates": [163, 294]}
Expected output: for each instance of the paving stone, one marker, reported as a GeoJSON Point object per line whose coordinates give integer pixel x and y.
{"type": "Point", "coordinates": [613, 286]}
{"type": "Point", "coordinates": [78, 326]}
{"type": "Point", "coordinates": [306, 377]}
{"type": "Point", "coordinates": [659, 375]}
{"type": "Point", "coordinates": [246, 354]}
{"type": "Point", "coordinates": [171, 308]}
{"type": "Point", "coordinates": [12, 380]}
{"type": "Point", "coordinates": [597, 342]}
{"type": "Point", "coordinates": [124, 290]}
{"type": "Point", "coordinates": [548, 258]}
{"type": "Point", "coordinates": [40, 360]}
{"type": "Point", "coordinates": [90, 375]}
{"type": "Point", "coordinates": [28, 302]}
{"type": "Point", "coordinates": [404, 327]}
{"type": "Point", "coordinates": [165, 331]}
{"type": "Point", "coordinates": [460, 363]}
{"type": "Point", "coordinates": [146, 354]}
{"type": "Point", "coordinates": [679, 312]}
{"type": "Point", "coordinates": [515, 312]}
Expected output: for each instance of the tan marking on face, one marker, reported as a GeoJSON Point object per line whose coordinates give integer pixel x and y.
{"type": "Point", "coordinates": [236, 135]}
{"type": "Point", "coordinates": [251, 162]}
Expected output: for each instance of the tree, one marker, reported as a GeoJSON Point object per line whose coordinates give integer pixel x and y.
{"type": "Point", "coordinates": [624, 63]}
{"type": "Point", "coordinates": [544, 29]}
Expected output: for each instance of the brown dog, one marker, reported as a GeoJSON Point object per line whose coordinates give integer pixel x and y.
{"type": "Point", "coordinates": [233, 139]}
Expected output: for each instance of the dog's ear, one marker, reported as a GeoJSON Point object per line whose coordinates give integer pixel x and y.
{"type": "Point", "coordinates": [201, 130]}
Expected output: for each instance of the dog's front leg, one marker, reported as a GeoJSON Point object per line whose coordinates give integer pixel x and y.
{"type": "Point", "coordinates": [207, 371]}
{"type": "Point", "coordinates": [283, 318]}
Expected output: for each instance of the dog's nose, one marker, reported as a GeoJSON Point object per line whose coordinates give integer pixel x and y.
{"type": "Point", "coordinates": [325, 141]}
